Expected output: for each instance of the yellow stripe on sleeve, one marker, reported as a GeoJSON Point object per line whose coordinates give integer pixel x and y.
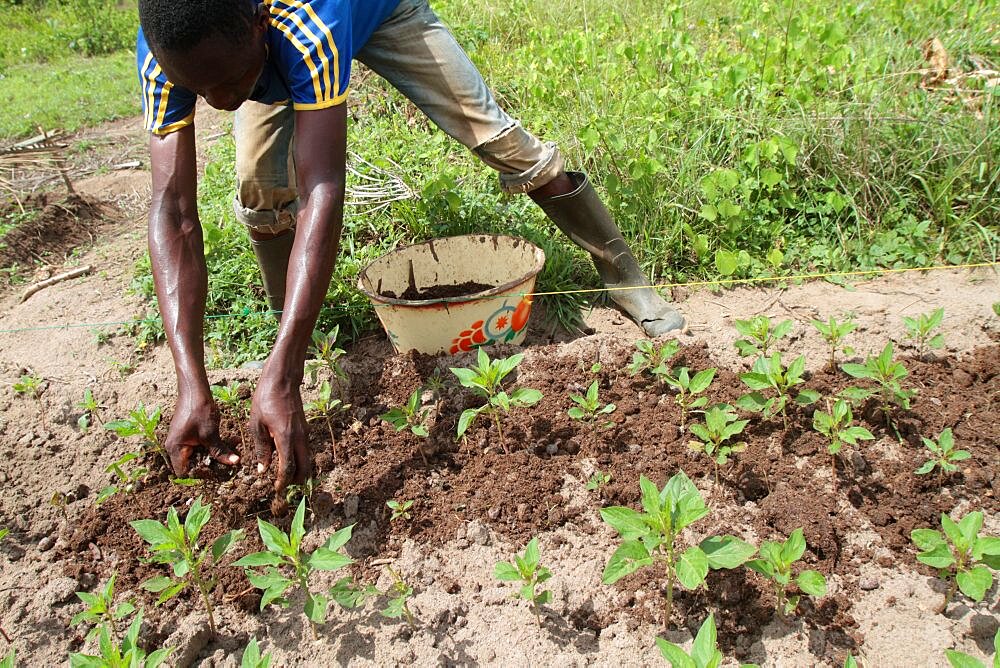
{"type": "Point", "coordinates": [164, 96]}
{"type": "Point", "coordinates": [329, 39]}
{"type": "Point", "coordinates": [143, 85]}
{"type": "Point", "coordinates": [304, 106]}
{"type": "Point", "coordinates": [319, 48]}
{"type": "Point", "coordinates": [174, 127]}
{"type": "Point", "coordinates": [305, 53]}
{"type": "Point", "coordinates": [151, 94]}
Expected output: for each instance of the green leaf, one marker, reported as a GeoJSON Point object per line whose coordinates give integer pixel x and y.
{"type": "Point", "coordinates": [926, 539]}
{"type": "Point", "coordinates": [761, 566]}
{"type": "Point", "coordinates": [196, 519]}
{"type": "Point", "coordinates": [273, 594]}
{"type": "Point", "coordinates": [674, 654]}
{"type": "Point", "coordinates": [806, 397]}
{"type": "Point", "coordinates": [961, 660]}
{"type": "Point", "coordinates": [340, 538]}
{"type": "Point", "coordinates": [152, 532]}
{"type": "Point", "coordinates": [812, 583]}
{"type": "Point", "coordinates": [726, 551]}
{"type": "Point", "coordinates": [274, 538]}
{"type": "Point", "coordinates": [704, 649]}
{"type": "Point", "coordinates": [629, 524]}
{"type": "Point", "coordinates": [224, 543]}
{"type": "Point", "coordinates": [157, 584]}
{"type": "Point", "coordinates": [701, 381]}
{"type": "Point", "coordinates": [531, 554]}
{"type": "Point", "coordinates": [726, 262]}
{"type": "Point", "coordinates": [171, 591]}
{"type": "Point", "coordinates": [324, 559]}
{"type": "Point", "coordinates": [969, 527]}
{"type": "Point", "coordinates": [506, 572]}
{"type": "Point", "coordinates": [794, 547]}
{"type": "Point", "coordinates": [259, 559]}
{"type": "Point", "coordinates": [975, 582]}
{"type": "Point", "coordinates": [926, 468]}
{"type": "Point", "coordinates": [465, 420]}
{"type": "Point", "coordinates": [649, 495]}
{"type": "Point", "coordinates": [525, 396]}
{"type": "Point", "coordinates": [937, 557]}
{"type": "Point", "coordinates": [692, 567]}
{"type": "Point", "coordinates": [627, 559]}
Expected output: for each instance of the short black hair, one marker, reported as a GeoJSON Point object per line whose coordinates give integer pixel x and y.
{"type": "Point", "coordinates": [177, 25]}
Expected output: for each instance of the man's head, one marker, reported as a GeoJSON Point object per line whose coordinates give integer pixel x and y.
{"type": "Point", "coordinates": [215, 48]}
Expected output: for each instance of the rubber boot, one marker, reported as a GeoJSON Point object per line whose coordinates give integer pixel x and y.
{"type": "Point", "coordinates": [582, 216]}
{"type": "Point", "coordinates": [272, 257]}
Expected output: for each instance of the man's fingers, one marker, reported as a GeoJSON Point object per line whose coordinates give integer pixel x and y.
{"type": "Point", "coordinates": [179, 456]}
{"type": "Point", "coordinates": [286, 464]}
{"type": "Point", "coordinates": [263, 446]}
{"type": "Point", "coordinates": [303, 463]}
{"type": "Point", "coordinates": [224, 455]}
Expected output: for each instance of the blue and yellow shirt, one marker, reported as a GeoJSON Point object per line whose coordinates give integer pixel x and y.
{"type": "Point", "coordinates": [310, 47]}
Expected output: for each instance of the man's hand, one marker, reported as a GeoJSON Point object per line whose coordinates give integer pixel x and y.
{"type": "Point", "coordinates": [196, 424]}
{"type": "Point", "coordinates": [278, 422]}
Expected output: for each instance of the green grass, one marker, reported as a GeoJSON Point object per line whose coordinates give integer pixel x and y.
{"type": "Point", "coordinates": [69, 94]}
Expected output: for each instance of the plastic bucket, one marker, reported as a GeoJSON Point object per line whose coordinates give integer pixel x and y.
{"type": "Point", "coordinates": [498, 314]}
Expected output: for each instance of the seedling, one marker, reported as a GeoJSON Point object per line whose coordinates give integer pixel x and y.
{"type": "Point", "coordinates": [33, 386]}
{"type": "Point", "coordinates": [526, 570]}
{"type": "Point", "coordinates": [399, 595]}
{"type": "Point", "coordinates": [141, 422]}
{"type": "Point", "coordinates": [285, 555]}
{"type": "Point", "coordinates": [963, 660]}
{"type": "Point", "coordinates": [960, 555]}
{"type": "Point", "coordinates": [653, 358]}
{"type": "Point", "coordinates": [720, 426]}
{"type": "Point", "coordinates": [761, 335]}
{"type": "Point", "coordinates": [775, 563]}
{"type": "Point", "coordinates": [229, 396]}
{"type": "Point", "coordinates": [704, 652]}
{"type": "Point", "coordinates": [838, 427]}
{"type": "Point", "coordinates": [598, 480]}
{"type": "Point", "coordinates": [689, 388]}
{"type": "Point", "coordinates": [651, 537]}
{"type": "Point", "coordinates": [921, 330]}
{"type": "Point", "coordinates": [101, 610]}
{"type": "Point", "coordinates": [303, 491]}
{"type": "Point", "coordinates": [126, 480]}
{"type": "Point", "coordinates": [326, 355]}
{"type": "Point", "coordinates": [943, 454]}
{"type": "Point", "coordinates": [126, 655]}
{"type": "Point", "coordinates": [9, 661]}
{"type": "Point", "coordinates": [177, 544]}
{"type": "Point", "coordinates": [324, 408]}
{"type": "Point", "coordinates": [91, 411]}
{"type": "Point", "coordinates": [60, 501]}
{"type": "Point", "coordinates": [485, 379]}
{"type": "Point", "coordinates": [252, 658]}
{"type": "Point", "coordinates": [400, 510]}
{"type": "Point", "coordinates": [588, 409]}
{"type": "Point", "coordinates": [435, 383]}
{"type": "Point", "coordinates": [886, 373]}
{"type": "Point", "coordinates": [770, 375]}
{"type": "Point", "coordinates": [410, 416]}
{"type": "Point", "coordinates": [833, 332]}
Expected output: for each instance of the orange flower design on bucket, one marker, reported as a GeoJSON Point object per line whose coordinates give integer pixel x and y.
{"type": "Point", "coordinates": [502, 326]}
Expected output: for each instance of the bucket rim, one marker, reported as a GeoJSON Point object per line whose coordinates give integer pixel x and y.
{"type": "Point", "coordinates": [498, 290]}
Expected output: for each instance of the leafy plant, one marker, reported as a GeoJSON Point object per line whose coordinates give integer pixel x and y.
{"type": "Point", "coordinates": [960, 555]}
{"type": "Point", "coordinates": [91, 411]}
{"type": "Point", "coordinates": [252, 658]}
{"type": "Point", "coordinates": [285, 555]}
{"type": "Point", "coordinates": [770, 375]}
{"type": "Point", "coordinates": [588, 409]}
{"type": "Point", "coordinates": [943, 454]}
{"type": "Point", "coordinates": [60, 501]}
{"type": "Point", "coordinates": [838, 427]}
{"type": "Point", "coordinates": [141, 422]}
{"type": "Point", "coordinates": [33, 386]}
{"type": "Point", "coordinates": [921, 330]}
{"type": "Point", "coordinates": [833, 332]}
{"type": "Point", "coordinates": [526, 570]}
{"type": "Point", "coordinates": [653, 358]}
{"type": "Point", "coordinates": [128, 654]}
{"type": "Point", "coordinates": [720, 426]}
{"type": "Point", "coordinates": [399, 595]}
{"type": "Point", "coordinates": [885, 373]}
{"type": "Point", "coordinates": [400, 509]}
{"type": "Point", "coordinates": [598, 480]}
{"type": "Point", "coordinates": [324, 408]}
{"type": "Point", "coordinates": [176, 545]}
{"type": "Point", "coordinates": [688, 388]}
{"type": "Point", "coordinates": [410, 416]}
{"type": "Point", "coordinates": [326, 355]}
{"type": "Point", "coordinates": [485, 379]}
{"type": "Point", "coordinates": [101, 610]}
{"type": "Point", "coordinates": [761, 335]}
{"type": "Point", "coordinates": [126, 479]}
{"type": "Point", "coordinates": [651, 537]}
{"type": "Point", "coordinates": [229, 396]}
{"type": "Point", "coordinates": [704, 651]}
{"type": "Point", "coordinates": [775, 563]}
{"type": "Point", "coordinates": [963, 660]}
{"type": "Point", "coordinates": [10, 660]}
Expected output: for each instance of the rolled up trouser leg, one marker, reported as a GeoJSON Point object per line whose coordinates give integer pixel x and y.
{"type": "Point", "coordinates": [272, 257]}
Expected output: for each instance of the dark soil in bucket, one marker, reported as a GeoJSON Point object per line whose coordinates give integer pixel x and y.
{"type": "Point", "coordinates": [439, 291]}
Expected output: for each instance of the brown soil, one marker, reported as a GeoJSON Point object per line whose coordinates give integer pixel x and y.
{"type": "Point", "coordinates": [439, 291]}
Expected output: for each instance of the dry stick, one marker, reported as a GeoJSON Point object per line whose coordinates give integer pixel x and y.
{"type": "Point", "coordinates": [49, 282]}
{"type": "Point", "coordinates": [60, 162]}
{"type": "Point", "coordinates": [333, 440]}
{"type": "Point", "coordinates": [5, 636]}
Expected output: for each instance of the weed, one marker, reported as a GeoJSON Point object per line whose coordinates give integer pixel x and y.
{"type": "Point", "coordinates": [963, 660]}
{"type": "Point", "coordinates": [125, 368]}
{"type": "Point", "coordinates": [399, 595]}
{"type": "Point", "coordinates": [996, 309]}
{"type": "Point", "coordinates": [886, 373]}
{"type": "Point", "coordinates": [833, 332]}
{"type": "Point", "coordinates": [770, 375]}
{"type": "Point", "coordinates": [435, 383]}
{"type": "Point", "coordinates": [142, 422]}
{"type": "Point", "coordinates": [761, 335]}
{"type": "Point", "coordinates": [325, 407]}
{"type": "Point", "coordinates": [720, 426]}
{"type": "Point", "coordinates": [33, 386]}
{"type": "Point", "coordinates": [588, 409]}
{"type": "Point", "coordinates": [400, 510]}
{"type": "Point", "coordinates": [91, 411]}
{"type": "Point", "coordinates": [59, 500]}
{"type": "Point", "coordinates": [301, 492]}
{"type": "Point", "coordinates": [960, 555]}
{"type": "Point", "coordinates": [102, 611]}
{"type": "Point", "coordinates": [653, 358]}
{"type": "Point", "coordinates": [943, 454]}
{"type": "Point", "coordinates": [526, 570]}
{"type": "Point", "coordinates": [598, 480]}
{"type": "Point", "coordinates": [326, 355]}
{"type": "Point", "coordinates": [128, 654]}
{"type": "Point", "coordinates": [689, 388]}
{"type": "Point", "coordinates": [285, 553]}
{"type": "Point", "coordinates": [775, 563]}
{"type": "Point", "coordinates": [704, 652]}
{"type": "Point", "coordinates": [838, 427]}
{"type": "Point", "coordinates": [410, 416]}
{"type": "Point", "coordinates": [176, 545]}
{"type": "Point", "coordinates": [252, 658]}
{"type": "Point", "coordinates": [10, 660]}
{"type": "Point", "coordinates": [229, 396]}
{"type": "Point", "coordinates": [921, 330]}
{"type": "Point", "coordinates": [651, 537]}
{"type": "Point", "coordinates": [485, 379]}
{"type": "Point", "coordinates": [127, 480]}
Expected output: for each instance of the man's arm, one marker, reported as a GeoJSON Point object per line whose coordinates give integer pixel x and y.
{"type": "Point", "coordinates": [278, 421]}
{"type": "Point", "coordinates": [178, 261]}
